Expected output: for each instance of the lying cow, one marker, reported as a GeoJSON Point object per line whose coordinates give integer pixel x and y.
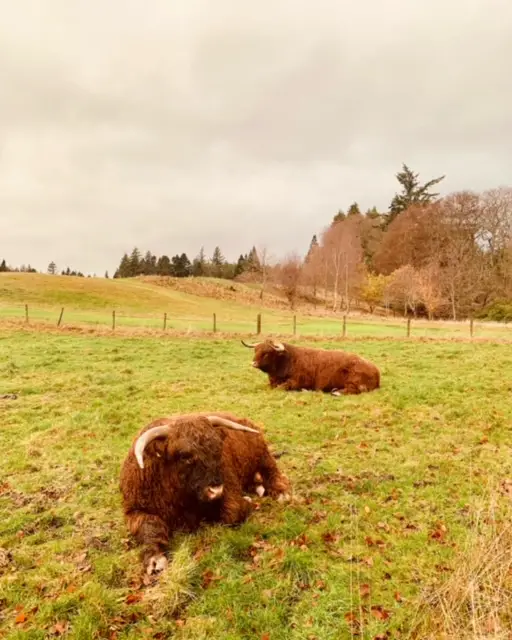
{"type": "Point", "coordinates": [188, 469]}
{"type": "Point", "coordinates": [295, 368]}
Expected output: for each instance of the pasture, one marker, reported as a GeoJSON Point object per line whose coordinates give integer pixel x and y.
{"type": "Point", "coordinates": [389, 489]}
{"type": "Point", "coordinates": [190, 304]}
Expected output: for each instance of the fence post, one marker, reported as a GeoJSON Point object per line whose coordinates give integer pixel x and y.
{"type": "Point", "coordinates": [165, 321]}
{"type": "Point", "coordinates": [408, 327]}
{"type": "Point", "coordinates": [60, 317]}
{"type": "Point", "coordinates": [26, 313]}
{"type": "Point", "coordinates": [471, 327]}
{"type": "Point", "coordinates": [344, 330]}
{"type": "Point", "coordinates": [258, 323]}
{"type": "Point", "coordinates": [294, 325]}
{"type": "Point", "coordinates": [214, 323]}
{"type": "Point", "coordinates": [113, 319]}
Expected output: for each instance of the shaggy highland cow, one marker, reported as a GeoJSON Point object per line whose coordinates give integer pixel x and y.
{"type": "Point", "coordinates": [187, 469]}
{"type": "Point", "coordinates": [295, 368]}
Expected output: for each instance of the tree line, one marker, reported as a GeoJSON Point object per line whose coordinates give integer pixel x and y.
{"type": "Point", "coordinates": [426, 255]}
{"type": "Point", "coordinates": [180, 266]}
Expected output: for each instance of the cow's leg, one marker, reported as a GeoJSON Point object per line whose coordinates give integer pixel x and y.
{"type": "Point", "coordinates": [235, 509]}
{"type": "Point", "coordinates": [274, 482]}
{"type": "Point", "coordinates": [151, 532]}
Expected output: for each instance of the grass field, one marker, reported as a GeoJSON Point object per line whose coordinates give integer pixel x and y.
{"type": "Point", "coordinates": [142, 304]}
{"type": "Point", "coordinates": [387, 489]}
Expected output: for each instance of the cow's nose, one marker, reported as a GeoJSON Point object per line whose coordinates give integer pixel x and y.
{"type": "Point", "coordinates": [213, 493]}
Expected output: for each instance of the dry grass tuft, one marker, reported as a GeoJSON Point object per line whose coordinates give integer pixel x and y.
{"type": "Point", "coordinates": [476, 600]}
{"type": "Point", "coordinates": [173, 589]}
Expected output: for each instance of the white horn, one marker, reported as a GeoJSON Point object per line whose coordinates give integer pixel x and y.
{"type": "Point", "coordinates": [217, 421]}
{"type": "Point", "coordinates": [147, 437]}
{"type": "Point", "coordinates": [278, 346]}
{"type": "Point", "coordinates": [250, 346]}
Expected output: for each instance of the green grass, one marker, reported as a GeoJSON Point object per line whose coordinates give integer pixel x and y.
{"type": "Point", "coordinates": [142, 304]}
{"type": "Point", "coordinates": [375, 477]}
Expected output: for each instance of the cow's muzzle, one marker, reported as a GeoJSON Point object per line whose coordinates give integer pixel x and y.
{"type": "Point", "coordinates": [213, 493]}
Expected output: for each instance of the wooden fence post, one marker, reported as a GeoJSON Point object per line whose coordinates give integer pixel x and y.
{"type": "Point", "coordinates": [165, 321]}
{"type": "Point", "coordinates": [258, 323]}
{"type": "Point", "coordinates": [113, 319]}
{"type": "Point", "coordinates": [408, 327]}
{"type": "Point", "coordinates": [294, 325]}
{"type": "Point", "coordinates": [26, 313]}
{"type": "Point", "coordinates": [344, 331]}
{"type": "Point", "coordinates": [214, 323]}
{"type": "Point", "coordinates": [60, 317]}
{"type": "Point", "coordinates": [471, 327]}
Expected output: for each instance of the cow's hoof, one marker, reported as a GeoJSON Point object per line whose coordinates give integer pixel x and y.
{"type": "Point", "coordinates": [283, 497]}
{"type": "Point", "coordinates": [260, 490]}
{"type": "Point", "coordinates": [335, 392]}
{"type": "Point", "coordinates": [157, 564]}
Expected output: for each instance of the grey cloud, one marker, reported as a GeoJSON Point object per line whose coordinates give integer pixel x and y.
{"type": "Point", "coordinates": [176, 125]}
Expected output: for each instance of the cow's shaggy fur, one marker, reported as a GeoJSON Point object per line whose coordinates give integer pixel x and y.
{"type": "Point", "coordinates": [295, 368]}
{"type": "Point", "coordinates": [193, 472]}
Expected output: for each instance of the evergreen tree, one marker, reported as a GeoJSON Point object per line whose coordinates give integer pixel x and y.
{"type": "Point", "coordinates": [3, 267]}
{"type": "Point", "coordinates": [124, 267]}
{"type": "Point", "coordinates": [241, 265]}
{"type": "Point", "coordinates": [339, 217]}
{"type": "Point", "coordinates": [181, 266]}
{"type": "Point", "coordinates": [253, 261]}
{"type": "Point", "coordinates": [217, 263]}
{"type": "Point", "coordinates": [52, 268]}
{"type": "Point", "coordinates": [372, 213]}
{"type": "Point", "coordinates": [199, 266]}
{"type": "Point", "coordinates": [134, 263]}
{"type": "Point", "coordinates": [353, 210]}
{"type": "Point", "coordinates": [413, 192]}
{"type": "Point", "coordinates": [163, 266]}
{"type": "Point", "coordinates": [106, 275]}
{"type": "Point", "coordinates": [312, 248]}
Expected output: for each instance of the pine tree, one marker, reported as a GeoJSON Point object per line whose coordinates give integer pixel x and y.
{"type": "Point", "coordinates": [217, 263]}
{"type": "Point", "coordinates": [339, 217]}
{"type": "Point", "coordinates": [312, 248]}
{"type": "Point", "coordinates": [241, 265]}
{"type": "Point", "coordinates": [181, 266]}
{"type": "Point", "coordinates": [253, 261]}
{"type": "Point", "coordinates": [372, 213]}
{"type": "Point", "coordinates": [124, 267]}
{"type": "Point", "coordinates": [199, 266]}
{"type": "Point", "coordinates": [163, 266]}
{"type": "Point", "coordinates": [3, 267]}
{"type": "Point", "coordinates": [52, 268]}
{"type": "Point", "coordinates": [134, 263]}
{"type": "Point", "coordinates": [353, 210]}
{"type": "Point", "coordinates": [413, 192]}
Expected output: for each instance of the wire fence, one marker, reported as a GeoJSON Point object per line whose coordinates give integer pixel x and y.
{"type": "Point", "coordinates": [259, 323]}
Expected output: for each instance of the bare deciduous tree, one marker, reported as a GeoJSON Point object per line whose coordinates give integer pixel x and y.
{"type": "Point", "coordinates": [289, 275]}
{"type": "Point", "coordinates": [343, 255]}
{"type": "Point", "coordinates": [403, 289]}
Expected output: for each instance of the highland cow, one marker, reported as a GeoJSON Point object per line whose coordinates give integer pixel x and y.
{"type": "Point", "coordinates": [294, 368]}
{"type": "Point", "coordinates": [185, 470]}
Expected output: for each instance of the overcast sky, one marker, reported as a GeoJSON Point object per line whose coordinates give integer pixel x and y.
{"type": "Point", "coordinates": [171, 124]}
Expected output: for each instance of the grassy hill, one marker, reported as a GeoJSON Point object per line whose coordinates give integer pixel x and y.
{"type": "Point", "coordinates": [190, 304]}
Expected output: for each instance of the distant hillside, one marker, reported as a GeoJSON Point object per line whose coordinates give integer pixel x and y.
{"type": "Point", "coordinates": [220, 289]}
{"type": "Point", "coordinates": [143, 295]}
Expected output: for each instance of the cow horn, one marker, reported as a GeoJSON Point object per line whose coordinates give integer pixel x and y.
{"type": "Point", "coordinates": [278, 346]}
{"type": "Point", "coordinates": [217, 421]}
{"type": "Point", "coordinates": [147, 437]}
{"type": "Point", "coordinates": [250, 346]}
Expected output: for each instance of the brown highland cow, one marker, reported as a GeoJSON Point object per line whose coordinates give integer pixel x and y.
{"type": "Point", "coordinates": [184, 470]}
{"type": "Point", "coordinates": [295, 368]}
